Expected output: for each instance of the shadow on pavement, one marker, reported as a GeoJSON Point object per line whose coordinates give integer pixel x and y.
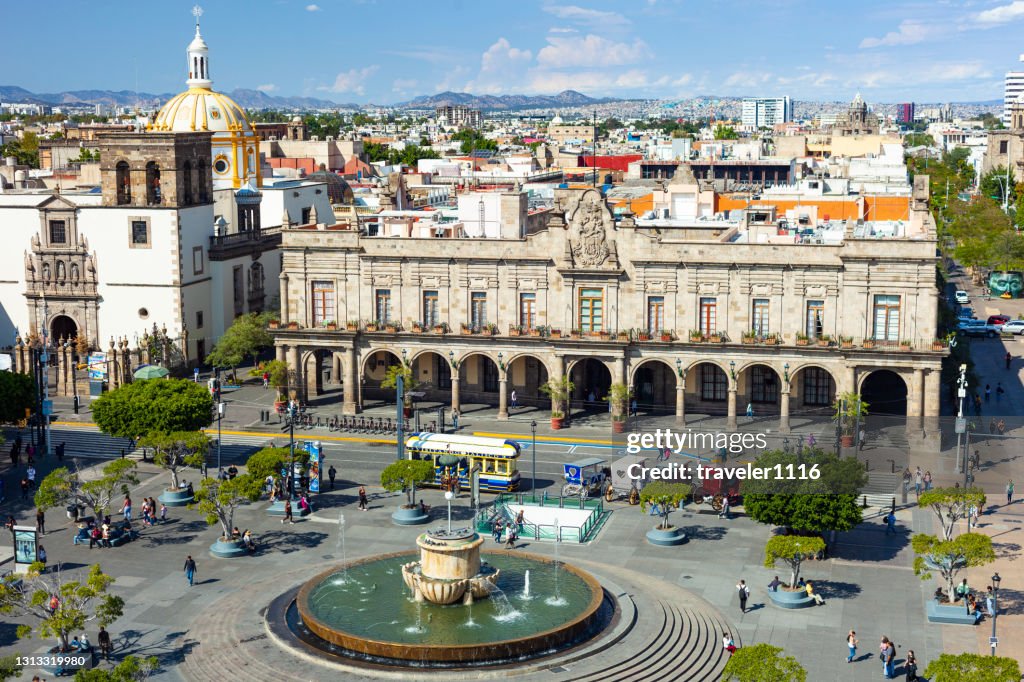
{"type": "Point", "coordinates": [168, 651]}
{"type": "Point", "coordinates": [834, 589]}
{"type": "Point", "coordinates": [287, 542]}
{"type": "Point", "coordinates": [705, 532]}
{"type": "Point", "coordinates": [869, 542]}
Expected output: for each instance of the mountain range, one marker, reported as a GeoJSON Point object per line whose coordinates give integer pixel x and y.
{"type": "Point", "coordinates": [566, 98]}
{"type": "Point", "coordinates": [250, 99]}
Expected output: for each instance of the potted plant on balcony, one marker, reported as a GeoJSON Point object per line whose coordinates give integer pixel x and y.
{"type": "Point", "coordinates": [536, 331]}
{"type": "Point", "coordinates": [440, 327]}
{"type": "Point", "coordinates": [772, 340]}
{"type": "Point", "coordinates": [619, 395]}
{"type": "Point", "coordinates": [802, 339]}
{"type": "Point", "coordinates": [716, 337]}
{"type": "Point", "coordinates": [940, 344]}
{"type": "Point", "coordinates": [556, 333]}
{"type": "Point", "coordinates": [665, 497]}
{"type": "Point", "coordinates": [850, 410]}
{"type": "Point", "coordinates": [490, 329]}
{"type": "Point", "coordinates": [749, 337]}
{"type": "Point", "coordinates": [417, 327]}
{"type": "Point", "coordinates": [846, 342]}
{"type": "Point", "coordinates": [293, 325]}
{"type": "Point", "coordinates": [622, 336]}
{"type": "Point", "coordinates": [372, 326]}
{"type": "Point", "coordinates": [643, 335]}
{"type": "Point", "coordinates": [574, 333]}
{"type": "Point", "coordinates": [515, 330]}
{"type": "Point", "coordinates": [274, 324]}
{"type": "Point", "coordinates": [604, 334]}
{"type": "Point", "coordinates": [331, 325]}
{"type": "Point", "coordinates": [868, 343]}
{"type": "Point", "coordinates": [665, 335]}
{"type": "Point", "coordinates": [392, 327]}
{"type": "Point", "coordinates": [696, 336]}
{"type": "Point", "coordinates": [905, 344]}
{"type": "Point", "coordinates": [352, 325]}
{"type": "Point", "coordinates": [558, 390]}
{"type": "Point", "coordinates": [824, 341]}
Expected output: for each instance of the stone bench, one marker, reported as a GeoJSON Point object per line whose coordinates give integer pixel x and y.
{"type": "Point", "coordinates": [953, 614]}
{"type": "Point", "coordinates": [790, 600]}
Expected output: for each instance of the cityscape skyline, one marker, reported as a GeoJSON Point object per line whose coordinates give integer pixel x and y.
{"type": "Point", "coordinates": [959, 52]}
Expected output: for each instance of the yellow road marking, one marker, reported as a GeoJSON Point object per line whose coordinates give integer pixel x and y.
{"type": "Point", "coordinates": [546, 439]}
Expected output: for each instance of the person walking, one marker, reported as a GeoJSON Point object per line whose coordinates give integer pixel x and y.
{"type": "Point", "coordinates": [632, 407]}
{"type": "Point", "coordinates": [988, 392]}
{"type": "Point", "coordinates": [927, 480]}
{"type": "Point", "coordinates": [126, 508]}
{"type": "Point", "coordinates": [910, 667]}
{"type": "Point", "coordinates": [890, 660]}
{"type": "Point", "coordinates": [331, 474]}
{"type": "Point", "coordinates": [455, 419]}
{"type": "Point", "coordinates": [515, 399]}
{"type": "Point", "coordinates": [103, 639]}
{"type": "Point", "coordinates": [163, 513]}
{"type": "Point", "coordinates": [999, 391]}
{"type": "Point", "coordinates": [190, 569]}
{"type": "Point", "coordinates": [918, 481]}
{"type": "Point", "coordinates": [750, 410]}
{"type": "Point", "coordinates": [31, 476]}
{"type": "Point", "coordinates": [24, 487]}
{"type": "Point", "coordinates": [744, 592]}
{"type": "Point", "coordinates": [288, 512]}
{"type": "Point", "coordinates": [266, 380]}
{"type": "Point", "coordinates": [1009, 359]}
{"type": "Point", "coordinates": [40, 521]}
{"type": "Point", "coordinates": [520, 520]}
{"type": "Point", "coordinates": [861, 437]}
{"type": "Point", "coordinates": [890, 523]}
{"type": "Point", "coordinates": [1009, 492]}
{"type": "Point", "coordinates": [363, 502]}
{"type": "Point", "coordinates": [724, 514]}
{"type": "Point", "coordinates": [41, 557]}
{"type": "Point", "coordinates": [851, 643]}
{"type": "Point", "coordinates": [510, 541]}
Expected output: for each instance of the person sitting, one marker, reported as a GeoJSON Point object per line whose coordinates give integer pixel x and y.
{"type": "Point", "coordinates": [423, 507]}
{"type": "Point", "coordinates": [248, 541]}
{"type": "Point", "coordinates": [235, 533]}
{"type": "Point", "coordinates": [75, 644]}
{"type": "Point", "coordinates": [774, 584]}
{"type": "Point", "coordinates": [814, 595]}
{"type": "Point", "coordinates": [84, 642]}
{"type": "Point", "coordinates": [232, 471]}
{"type": "Point", "coordinates": [972, 604]}
{"type": "Point", "coordinates": [106, 536]}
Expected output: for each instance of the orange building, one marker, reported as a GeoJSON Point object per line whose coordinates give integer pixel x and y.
{"type": "Point", "coordinates": [870, 207]}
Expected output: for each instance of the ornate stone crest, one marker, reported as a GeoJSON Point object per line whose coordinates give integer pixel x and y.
{"type": "Point", "coordinates": [589, 222]}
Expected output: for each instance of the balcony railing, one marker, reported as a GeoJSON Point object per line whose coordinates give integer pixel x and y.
{"type": "Point", "coordinates": [239, 243]}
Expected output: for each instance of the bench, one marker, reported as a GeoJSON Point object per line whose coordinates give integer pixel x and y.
{"type": "Point", "coordinates": [118, 536]}
{"type": "Point", "coordinates": [69, 662]}
{"type": "Point", "coordinates": [790, 600]}
{"type": "Point", "coordinates": [953, 614]}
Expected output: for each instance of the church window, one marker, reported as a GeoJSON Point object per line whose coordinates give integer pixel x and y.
{"type": "Point", "coordinates": [186, 181]}
{"type": "Point", "coordinates": [122, 178]}
{"type": "Point", "coordinates": [140, 233]}
{"type": "Point", "coordinates": [306, 215]}
{"type": "Point", "coordinates": [152, 184]}
{"type": "Point", "coordinates": [221, 165]}
{"type": "Point", "coordinates": [58, 232]}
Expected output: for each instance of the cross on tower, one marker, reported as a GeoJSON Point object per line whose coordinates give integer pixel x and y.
{"type": "Point", "coordinates": [197, 12]}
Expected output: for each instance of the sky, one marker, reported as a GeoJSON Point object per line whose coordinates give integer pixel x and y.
{"type": "Point", "coordinates": [387, 51]}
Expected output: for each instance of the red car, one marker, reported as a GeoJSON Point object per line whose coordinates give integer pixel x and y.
{"type": "Point", "coordinates": [998, 320]}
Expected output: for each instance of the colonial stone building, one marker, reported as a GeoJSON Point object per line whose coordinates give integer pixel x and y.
{"type": "Point", "coordinates": [751, 313]}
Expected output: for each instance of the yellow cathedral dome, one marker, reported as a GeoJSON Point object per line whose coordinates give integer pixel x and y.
{"type": "Point", "coordinates": [201, 109]}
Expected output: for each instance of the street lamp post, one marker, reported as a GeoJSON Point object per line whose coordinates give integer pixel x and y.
{"type": "Point", "coordinates": [995, 610]}
{"type": "Point", "coordinates": [220, 417]}
{"type": "Point", "coordinates": [533, 468]}
{"type": "Point", "coordinates": [961, 393]}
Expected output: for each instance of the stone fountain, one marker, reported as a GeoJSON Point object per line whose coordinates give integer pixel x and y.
{"type": "Point", "coordinates": [449, 568]}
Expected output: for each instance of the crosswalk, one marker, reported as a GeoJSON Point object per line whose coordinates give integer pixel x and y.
{"type": "Point", "coordinates": [89, 443]}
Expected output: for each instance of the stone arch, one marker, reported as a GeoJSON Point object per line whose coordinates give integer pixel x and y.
{"type": "Point", "coordinates": [479, 377]}
{"type": "Point", "coordinates": [153, 197]}
{"type": "Point", "coordinates": [760, 385]}
{"type": "Point", "coordinates": [433, 372]}
{"type": "Point", "coordinates": [372, 371]}
{"type": "Point", "coordinates": [707, 385]}
{"type": "Point", "coordinates": [813, 388]}
{"type": "Point", "coordinates": [314, 363]}
{"type": "Point", "coordinates": [654, 382]}
{"type": "Point", "coordinates": [687, 368]}
{"type": "Point", "coordinates": [526, 372]}
{"type": "Point", "coordinates": [123, 182]}
{"type": "Point", "coordinates": [590, 376]}
{"type": "Point", "coordinates": [63, 327]}
{"type": "Point", "coordinates": [885, 391]}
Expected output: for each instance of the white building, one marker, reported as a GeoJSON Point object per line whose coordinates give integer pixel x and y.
{"type": "Point", "coordinates": [765, 112]}
{"type": "Point", "coordinates": [1013, 87]}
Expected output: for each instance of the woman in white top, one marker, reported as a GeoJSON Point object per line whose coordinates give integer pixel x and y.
{"type": "Point", "coordinates": [728, 644]}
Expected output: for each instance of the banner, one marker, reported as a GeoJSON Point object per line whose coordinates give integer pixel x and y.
{"type": "Point", "coordinates": [25, 547]}
{"type": "Point", "coordinates": [316, 460]}
{"type": "Point", "coordinates": [98, 366]}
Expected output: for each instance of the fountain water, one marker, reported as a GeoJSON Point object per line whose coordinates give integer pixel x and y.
{"type": "Point", "coordinates": [526, 586]}
{"type": "Point", "coordinates": [341, 543]}
{"type": "Point", "coordinates": [506, 611]}
{"type": "Point", "coordinates": [556, 599]}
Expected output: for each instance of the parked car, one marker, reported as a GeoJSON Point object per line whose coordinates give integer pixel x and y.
{"type": "Point", "coordinates": [998, 320]}
{"type": "Point", "coordinates": [966, 314]}
{"type": "Point", "coordinates": [962, 297]}
{"type": "Point", "coordinates": [977, 328]}
{"type": "Point", "coordinates": [1014, 327]}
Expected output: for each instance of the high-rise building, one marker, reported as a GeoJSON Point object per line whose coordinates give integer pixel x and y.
{"type": "Point", "coordinates": [905, 112]}
{"type": "Point", "coordinates": [1013, 88]}
{"type": "Point", "coordinates": [458, 115]}
{"type": "Point", "coordinates": [765, 112]}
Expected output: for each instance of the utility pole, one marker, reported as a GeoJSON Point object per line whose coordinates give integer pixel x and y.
{"type": "Point", "coordinates": [400, 432]}
{"type": "Point", "coordinates": [594, 155]}
{"type": "Point", "coordinates": [961, 423]}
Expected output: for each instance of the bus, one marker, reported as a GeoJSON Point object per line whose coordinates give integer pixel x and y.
{"type": "Point", "coordinates": [455, 456]}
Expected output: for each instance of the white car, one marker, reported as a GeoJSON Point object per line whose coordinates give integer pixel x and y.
{"type": "Point", "coordinates": [962, 297]}
{"type": "Point", "coordinates": [1014, 327]}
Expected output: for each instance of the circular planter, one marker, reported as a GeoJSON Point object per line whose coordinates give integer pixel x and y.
{"type": "Point", "coordinates": [409, 517]}
{"type": "Point", "coordinates": [666, 537]}
{"type": "Point", "coordinates": [556, 423]}
{"type": "Point", "coordinates": [846, 441]}
{"type": "Point", "coordinates": [790, 600]}
{"type": "Point", "coordinates": [176, 498]}
{"type": "Point", "coordinates": [228, 549]}
{"type": "Point", "coordinates": [277, 509]}
{"type": "Point", "coordinates": [618, 427]}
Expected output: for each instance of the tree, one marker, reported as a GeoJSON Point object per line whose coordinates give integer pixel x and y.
{"type": "Point", "coordinates": [17, 394]}
{"type": "Point", "coordinates": [951, 505]}
{"type": "Point", "coordinates": [619, 395]}
{"type": "Point", "coordinates": [277, 371]}
{"type": "Point", "coordinates": [558, 390]}
{"type": "Point", "coordinates": [973, 667]}
{"type": "Point", "coordinates": [217, 500]}
{"type": "Point", "coordinates": [762, 663]}
{"type": "Point", "coordinates": [246, 336]}
{"type": "Point", "coordinates": [918, 140]}
{"type": "Point", "coordinates": [142, 407]}
{"type": "Point", "coordinates": [267, 462]}
{"type": "Point", "coordinates": [78, 602]}
{"type": "Point", "coordinates": [473, 140]}
{"type": "Point", "coordinates": [409, 382]}
{"type": "Point", "coordinates": [62, 487]}
{"type": "Point", "coordinates": [404, 475]}
{"type": "Point", "coordinates": [849, 411]}
{"type": "Point", "coordinates": [949, 557]}
{"type": "Point", "coordinates": [177, 449]}
{"type": "Point", "coordinates": [130, 669]}
{"type": "Point", "coordinates": [995, 183]}
{"type": "Point", "coordinates": [10, 667]}
{"type": "Point", "coordinates": [666, 495]}
{"type": "Point", "coordinates": [724, 132]}
{"type": "Point", "coordinates": [792, 550]}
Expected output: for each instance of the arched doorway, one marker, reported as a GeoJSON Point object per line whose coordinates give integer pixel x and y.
{"type": "Point", "coordinates": [63, 327]}
{"type": "Point", "coordinates": [708, 385]}
{"type": "Point", "coordinates": [591, 379]}
{"type": "Point", "coordinates": [759, 386]}
{"type": "Point", "coordinates": [432, 373]}
{"type": "Point", "coordinates": [813, 391]}
{"type": "Point", "coordinates": [654, 387]}
{"type": "Point", "coordinates": [375, 370]}
{"type": "Point", "coordinates": [526, 374]}
{"type": "Point", "coordinates": [885, 392]}
{"type": "Point", "coordinates": [319, 372]}
{"type": "Point", "coordinates": [478, 380]}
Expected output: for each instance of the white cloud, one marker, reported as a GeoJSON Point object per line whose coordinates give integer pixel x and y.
{"type": "Point", "coordinates": [685, 79]}
{"type": "Point", "coordinates": [562, 29]}
{"type": "Point", "coordinates": [590, 17]}
{"type": "Point", "coordinates": [747, 79]}
{"type": "Point", "coordinates": [312, 8]}
{"type": "Point", "coordinates": [500, 66]}
{"type": "Point", "coordinates": [401, 84]}
{"type": "Point", "coordinates": [353, 80]}
{"type": "Point", "coordinates": [590, 50]}
{"type": "Point", "coordinates": [1003, 14]}
{"type": "Point", "coordinates": [910, 32]}
{"type": "Point", "coordinates": [269, 87]}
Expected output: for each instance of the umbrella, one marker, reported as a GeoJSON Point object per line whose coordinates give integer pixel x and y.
{"type": "Point", "coordinates": [151, 372]}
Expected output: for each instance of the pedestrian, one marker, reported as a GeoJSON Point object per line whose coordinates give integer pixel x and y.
{"type": "Point", "coordinates": [331, 473]}
{"type": "Point", "coordinates": [515, 399]}
{"type": "Point", "coordinates": [455, 419]}
{"type": "Point", "coordinates": [520, 520]}
{"type": "Point", "coordinates": [999, 391]}
{"type": "Point", "coordinates": [724, 514]}
{"type": "Point", "coordinates": [750, 410]}
{"type": "Point", "coordinates": [1000, 429]}
{"type": "Point", "coordinates": [990, 603]}
{"type": "Point", "coordinates": [24, 487]}
{"type": "Point", "coordinates": [927, 480]}
{"type": "Point", "coordinates": [851, 643]}
{"type": "Point", "coordinates": [977, 404]}
{"type": "Point", "coordinates": [1009, 492]}
{"type": "Point", "coordinates": [988, 392]}
{"type": "Point", "coordinates": [890, 523]}
{"type": "Point", "coordinates": [773, 586]}
{"type": "Point", "coordinates": [910, 667]}
{"type": "Point", "coordinates": [918, 481]}
{"type": "Point", "coordinates": [632, 407]}
{"type": "Point", "coordinates": [40, 521]}
{"type": "Point", "coordinates": [60, 452]}
{"type": "Point", "coordinates": [31, 475]}
{"type": "Point", "coordinates": [190, 569]}
{"type": "Point", "coordinates": [883, 649]}
{"type": "Point", "coordinates": [30, 451]}
{"type": "Point", "coordinates": [288, 512]}
{"type": "Point", "coordinates": [728, 644]}
{"type": "Point", "coordinates": [266, 380]}
{"type": "Point", "coordinates": [103, 639]}
{"type": "Point", "coordinates": [744, 592]}
{"type": "Point", "coordinates": [363, 502]}
{"type": "Point", "coordinates": [809, 589]}
{"type": "Point", "coordinates": [498, 528]}
{"type": "Point", "coordinates": [992, 426]}
{"type": "Point", "coordinates": [510, 542]}
{"type": "Point", "coordinates": [861, 437]}
{"type": "Point", "coordinates": [163, 513]}
{"type": "Point", "coordinates": [1009, 359]}
{"type": "Point", "coordinates": [41, 556]}
{"type": "Point", "coordinates": [890, 660]}
{"type": "Point", "coordinates": [126, 508]}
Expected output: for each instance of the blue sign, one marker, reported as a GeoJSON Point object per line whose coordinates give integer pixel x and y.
{"type": "Point", "coordinates": [316, 460]}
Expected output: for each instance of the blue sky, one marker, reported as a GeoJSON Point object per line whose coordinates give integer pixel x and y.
{"type": "Point", "coordinates": [388, 51]}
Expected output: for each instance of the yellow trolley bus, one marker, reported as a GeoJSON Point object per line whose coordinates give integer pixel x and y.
{"type": "Point", "coordinates": [455, 456]}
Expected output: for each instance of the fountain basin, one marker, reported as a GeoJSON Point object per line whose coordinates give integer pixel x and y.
{"type": "Point", "coordinates": [358, 613]}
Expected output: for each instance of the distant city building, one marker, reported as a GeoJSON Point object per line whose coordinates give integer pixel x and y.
{"type": "Point", "coordinates": [766, 112]}
{"type": "Point", "coordinates": [459, 116]}
{"type": "Point", "coordinates": [857, 120]}
{"type": "Point", "coordinates": [1012, 89]}
{"type": "Point", "coordinates": [905, 112]}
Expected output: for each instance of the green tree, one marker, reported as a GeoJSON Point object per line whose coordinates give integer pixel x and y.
{"type": "Point", "coordinates": [762, 663]}
{"type": "Point", "coordinates": [130, 669]}
{"type": "Point", "coordinates": [277, 371]}
{"type": "Point", "coordinates": [724, 132]}
{"type": "Point", "coordinates": [918, 140]}
{"type": "Point", "coordinates": [267, 462]}
{"type": "Point", "coordinates": [792, 550]}
{"type": "Point", "coordinates": [177, 449]}
{"type": "Point", "coordinates": [376, 151]}
{"type": "Point", "coordinates": [973, 667]}
{"type": "Point", "coordinates": [667, 496]}
{"type": "Point", "coordinates": [217, 500]}
{"type": "Point", "coordinates": [951, 505]}
{"type": "Point", "coordinates": [473, 140]}
{"type": "Point", "coordinates": [409, 383]}
{"type": "Point", "coordinates": [995, 182]}
{"type": "Point", "coordinates": [62, 487]}
{"type": "Point", "coordinates": [17, 394]}
{"type": "Point", "coordinates": [850, 410]}
{"type": "Point", "coordinates": [78, 602]}
{"type": "Point", "coordinates": [246, 336]}
{"type": "Point", "coordinates": [141, 407]}
{"type": "Point", "coordinates": [9, 667]}
{"type": "Point", "coordinates": [404, 475]}
{"type": "Point", "coordinates": [558, 390]}
{"type": "Point", "coordinates": [949, 557]}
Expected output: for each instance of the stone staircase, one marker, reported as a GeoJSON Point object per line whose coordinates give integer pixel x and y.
{"type": "Point", "coordinates": [881, 488]}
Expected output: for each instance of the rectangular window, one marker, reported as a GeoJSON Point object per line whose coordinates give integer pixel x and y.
{"type": "Point", "coordinates": [591, 310]}
{"type": "Point", "coordinates": [708, 313]}
{"type": "Point", "coordinates": [817, 387]}
{"type": "Point", "coordinates": [238, 290]}
{"type": "Point", "coordinates": [323, 302]}
{"type": "Point", "coordinates": [140, 232]}
{"type": "Point", "coordinates": [199, 319]}
{"type": "Point", "coordinates": [477, 309]}
{"type": "Point", "coordinates": [197, 260]}
{"type": "Point", "coordinates": [383, 305]}
{"type": "Point", "coordinates": [430, 317]}
{"type": "Point", "coordinates": [759, 317]}
{"type": "Point", "coordinates": [815, 318]}
{"type": "Point", "coordinates": [528, 310]}
{"type": "Point", "coordinates": [58, 232]}
{"type": "Point", "coordinates": [764, 388]}
{"type": "Point", "coordinates": [887, 318]}
{"type": "Point", "coordinates": [655, 314]}
{"type": "Point", "coordinates": [306, 215]}
{"type": "Point", "coordinates": [714, 385]}
{"type": "Point", "coordinates": [1004, 145]}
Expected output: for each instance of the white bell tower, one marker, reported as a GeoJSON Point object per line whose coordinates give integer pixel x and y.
{"type": "Point", "coordinates": [198, 57]}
